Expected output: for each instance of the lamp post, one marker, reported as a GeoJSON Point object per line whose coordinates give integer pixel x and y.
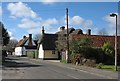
{"type": "Point", "coordinates": [115, 15]}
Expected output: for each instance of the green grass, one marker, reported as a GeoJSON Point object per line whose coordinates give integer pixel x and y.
{"type": "Point", "coordinates": [109, 67]}
{"type": "Point", "coordinates": [63, 61]}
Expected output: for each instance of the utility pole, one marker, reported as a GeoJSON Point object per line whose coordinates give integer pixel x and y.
{"type": "Point", "coordinates": [67, 36]}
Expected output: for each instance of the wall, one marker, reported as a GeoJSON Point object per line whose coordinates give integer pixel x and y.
{"type": "Point", "coordinates": [49, 55]}
{"type": "Point", "coordinates": [41, 52]}
{"type": "Point", "coordinates": [19, 51]}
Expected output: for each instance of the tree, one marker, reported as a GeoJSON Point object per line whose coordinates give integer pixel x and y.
{"type": "Point", "coordinates": [5, 39]}
{"type": "Point", "coordinates": [82, 46]}
{"type": "Point", "coordinates": [61, 42]}
{"type": "Point", "coordinates": [5, 35]}
{"type": "Point", "coordinates": [108, 50]}
{"type": "Point", "coordinates": [102, 32]}
{"type": "Point", "coordinates": [11, 45]}
{"type": "Point", "coordinates": [36, 37]}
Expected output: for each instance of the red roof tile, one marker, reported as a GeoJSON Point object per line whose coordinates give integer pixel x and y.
{"type": "Point", "coordinates": [98, 41]}
{"type": "Point", "coordinates": [22, 42]}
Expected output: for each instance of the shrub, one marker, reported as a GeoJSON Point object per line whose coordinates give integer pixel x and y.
{"type": "Point", "coordinates": [31, 54]}
{"type": "Point", "coordinates": [108, 53]}
{"type": "Point", "coordinates": [90, 62]}
{"type": "Point", "coordinates": [99, 66]}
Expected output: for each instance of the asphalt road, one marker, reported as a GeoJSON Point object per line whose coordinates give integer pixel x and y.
{"type": "Point", "coordinates": [24, 68]}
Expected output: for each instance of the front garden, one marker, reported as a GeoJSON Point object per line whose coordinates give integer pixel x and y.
{"type": "Point", "coordinates": [83, 51]}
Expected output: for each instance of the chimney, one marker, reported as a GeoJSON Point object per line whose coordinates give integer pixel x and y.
{"type": "Point", "coordinates": [88, 32]}
{"type": "Point", "coordinates": [43, 31]}
{"type": "Point", "coordinates": [30, 40]}
{"type": "Point", "coordinates": [62, 28]}
{"type": "Point", "coordinates": [24, 37]}
{"type": "Point", "coordinates": [30, 36]}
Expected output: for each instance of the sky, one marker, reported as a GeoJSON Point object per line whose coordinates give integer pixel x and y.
{"type": "Point", "coordinates": [23, 18]}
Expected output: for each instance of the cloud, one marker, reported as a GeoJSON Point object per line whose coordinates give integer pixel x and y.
{"type": "Point", "coordinates": [13, 17]}
{"type": "Point", "coordinates": [79, 21]}
{"type": "Point", "coordinates": [50, 1]}
{"type": "Point", "coordinates": [1, 11]}
{"type": "Point", "coordinates": [110, 20]}
{"type": "Point", "coordinates": [21, 10]}
{"type": "Point", "coordinates": [111, 24]}
{"type": "Point", "coordinates": [27, 23]}
{"type": "Point", "coordinates": [76, 20]}
{"type": "Point", "coordinates": [88, 23]}
{"type": "Point", "coordinates": [50, 21]}
{"type": "Point", "coordinates": [34, 31]}
{"type": "Point", "coordinates": [33, 26]}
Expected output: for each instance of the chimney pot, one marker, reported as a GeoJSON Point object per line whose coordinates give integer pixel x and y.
{"type": "Point", "coordinates": [88, 31]}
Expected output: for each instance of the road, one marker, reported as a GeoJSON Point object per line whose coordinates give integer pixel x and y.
{"type": "Point", "coordinates": [24, 68]}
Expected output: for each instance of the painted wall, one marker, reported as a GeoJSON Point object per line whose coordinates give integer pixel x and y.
{"type": "Point", "coordinates": [41, 52]}
{"type": "Point", "coordinates": [19, 51]}
{"type": "Point", "coordinates": [48, 54]}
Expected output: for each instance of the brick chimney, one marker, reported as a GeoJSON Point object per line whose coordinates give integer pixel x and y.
{"type": "Point", "coordinates": [30, 36]}
{"type": "Point", "coordinates": [62, 28]}
{"type": "Point", "coordinates": [88, 32]}
{"type": "Point", "coordinates": [43, 31]}
{"type": "Point", "coordinates": [30, 40]}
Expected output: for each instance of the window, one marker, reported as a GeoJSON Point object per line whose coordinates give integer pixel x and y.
{"type": "Point", "coordinates": [53, 52]}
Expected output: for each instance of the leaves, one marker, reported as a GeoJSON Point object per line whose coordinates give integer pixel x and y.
{"type": "Point", "coordinates": [5, 34]}
{"type": "Point", "coordinates": [108, 49]}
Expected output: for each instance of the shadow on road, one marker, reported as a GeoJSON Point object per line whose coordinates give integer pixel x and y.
{"type": "Point", "coordinates": [12, 63]}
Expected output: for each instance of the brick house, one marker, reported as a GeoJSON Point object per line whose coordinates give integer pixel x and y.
{"type": "Point", "coordinates": [99, 40]}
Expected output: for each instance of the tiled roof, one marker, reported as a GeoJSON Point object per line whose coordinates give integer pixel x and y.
{"type": "Point", "coordinates": [97, 40]}
{"type": "Point", "coordinates": [22, 42]}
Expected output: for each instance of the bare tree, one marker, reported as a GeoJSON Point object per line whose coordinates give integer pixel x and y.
{"type": "Point", "coordinates": [36, 37]}
{"type": "Point", "coordinates": [102, 32]}
{"type": "Point", "coordinates": [11, 45]}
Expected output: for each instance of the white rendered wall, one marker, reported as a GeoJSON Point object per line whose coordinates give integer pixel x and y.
{"type": "Point", "coordinates": [41, 52]}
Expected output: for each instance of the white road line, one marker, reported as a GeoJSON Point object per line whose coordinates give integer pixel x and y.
{"type": "Point", "coordinates": [72, 76]}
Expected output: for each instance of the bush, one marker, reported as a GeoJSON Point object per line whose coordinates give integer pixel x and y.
{"type": "Point", "coordinates": [99, 66]}
{"type": "Point", "coordinates": [31, 54]}
{"type": "Point", "coordinates": [90, 62]}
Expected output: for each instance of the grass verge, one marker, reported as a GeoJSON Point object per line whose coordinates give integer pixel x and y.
{"type": "Point", "coordinates": [110, 67]}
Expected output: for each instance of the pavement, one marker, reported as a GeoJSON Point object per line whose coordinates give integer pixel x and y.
{"type": "Point", "coordinates": [90, 70]}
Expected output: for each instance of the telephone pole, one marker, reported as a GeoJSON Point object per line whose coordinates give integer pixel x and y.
{"type": "Point", "coordinates": [68, 59]}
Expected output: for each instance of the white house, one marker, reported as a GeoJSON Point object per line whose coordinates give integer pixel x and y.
{"type": "Point", "coordinates": [25, 45]}
{"type": "Point", "coordinates": [47, 46]}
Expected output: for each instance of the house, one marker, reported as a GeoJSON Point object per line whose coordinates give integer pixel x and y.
{"type": "Point", "coordinates": [25, 45]}
{"type": "Point", "coordinates": [99, 40]}
{"type": "Point", "coordinates": [47, 44]}
{"type": "Point", "coordinates": [47, 47]}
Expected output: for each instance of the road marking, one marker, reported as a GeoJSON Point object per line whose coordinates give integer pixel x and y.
{"type": "Point", "coordinates": [72, 76]}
